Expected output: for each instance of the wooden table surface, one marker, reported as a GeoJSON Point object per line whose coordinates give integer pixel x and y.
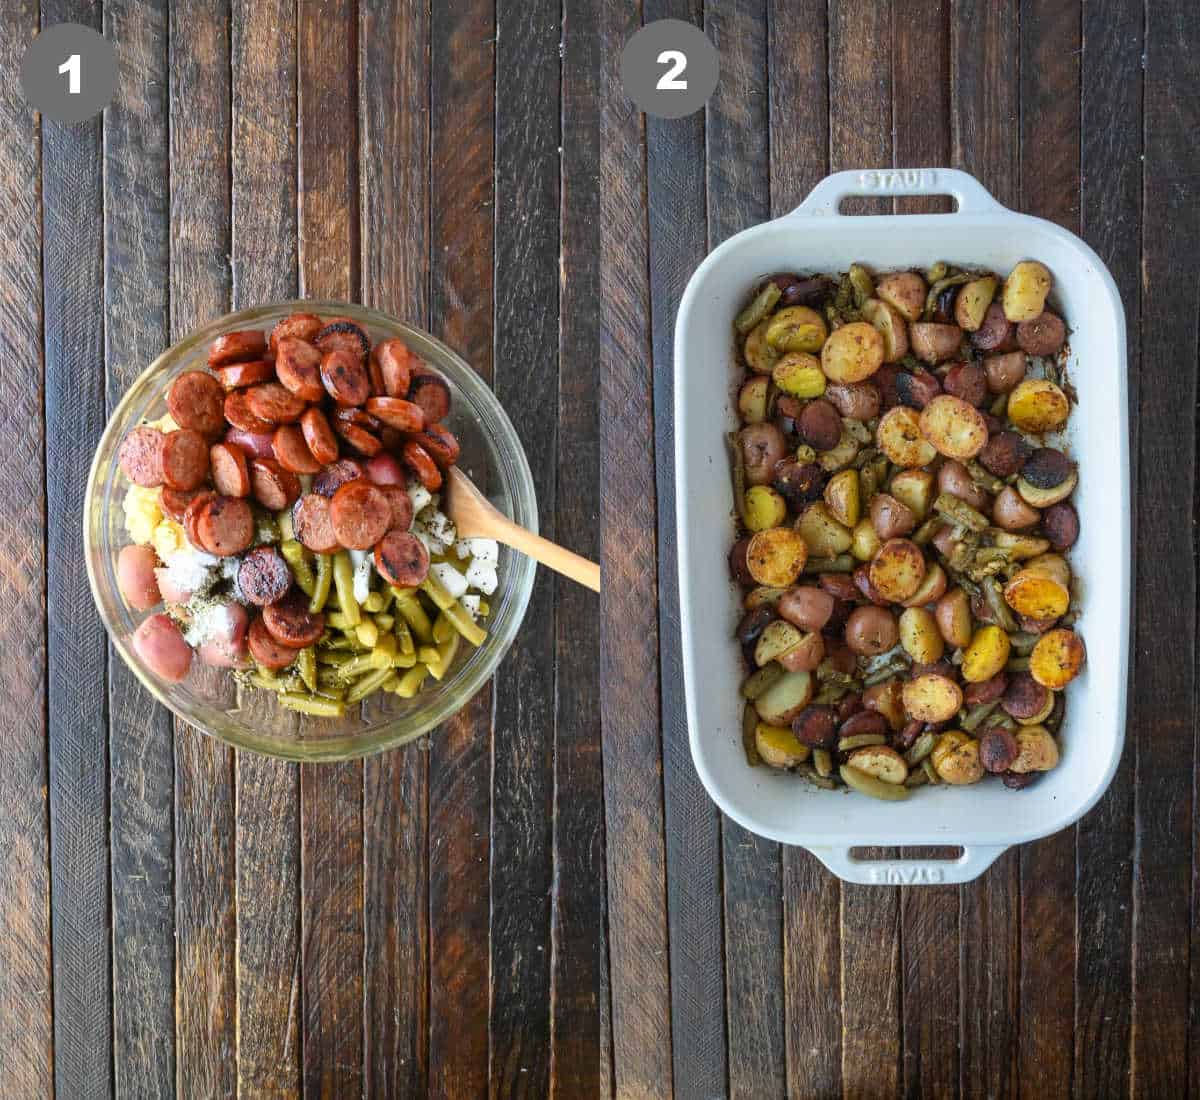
{"type": "Point", "coordinates": [737, 967]}
{"type": "Point", "coordinates": [180, 919]}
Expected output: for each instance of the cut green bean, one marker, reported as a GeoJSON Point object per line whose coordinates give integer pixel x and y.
{"type": "Point", "coordinates": [404, 636]}
{"type": "Point", "coordinates": [373, 603]}
{"type": "Point", "coordinates": [314, 705]}
{"type": "Point", "coordinates": [960, 512]}
{"type": "Point", "coordinates": [297, 557]}
{"type": "Point", "coordinates": [409, 606]}
{"type": "Point", "coordinates": [367, 633]}
{"type": "Point", "coordinates": [921, 748]}
{"type": "Point", "coordinates": [368, 684]}
{"type": "Point", "coordinates": [459, 618]}
{"type": "Point", "coordinates": [764, 301]}
{"type": "Point", "coordinates": [930, 771]}
{"type": "Point", "coordinates": [442, 629]}
{"type": "Point", "coordinates": [749, 741]}
{"type": "Point", "coordinates": [871, 785]}
{"type": "Point", "coordinates": [306, 665]}
{"type": "Point", "coordinates": [976, 714]}
{"type": "Point", "coordinates": [411, 681]}
{"type": "Point", "coordinates": [860, 740]}
{"type": "Point", "coordinates": [343, 582]}
{"type": "Point", "coordinates": [843, 563]}
{"type": "Point", "coordinates": [322, 583]}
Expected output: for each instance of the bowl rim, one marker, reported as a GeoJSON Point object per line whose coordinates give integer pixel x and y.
{"type": "Point", "coordinates": [495, 422]}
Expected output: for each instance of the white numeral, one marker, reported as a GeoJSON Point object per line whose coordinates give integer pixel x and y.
{"type": "Point", "coordinates": [669, 81]}
{"type": "Point", "coordinates": [71, 67]}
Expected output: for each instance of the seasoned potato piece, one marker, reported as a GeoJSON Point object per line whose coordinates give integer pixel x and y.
{"type": "Point", "coordinates": [953, 614]}
{"type": "Point", "coordinates": [1037, 751]}
{"type": "Point", "coordinates": [899, 436]}
{"type": "Point", "coordinates": [841, 455]}
{"type": "Point", "coordinates": [956, 759]}
{"type": "Point", "coordinates": [796, 328]}
{"type": "Point", "coordinates": [806, 655]}
{"type": "Point", "coordinates": [973, 301]}
{"type": "Point", "coordinates": [764, 508]}
{"type": "Point", "coordinates": [808, 607]}
{"type": "Point", "coordinates": [881, 762]}
{"type": "Point", "coordinates": [985, 656]}
{"type": "Point", "coordinates": [891, 325]}
{"type": "Point", "coordinates": [759, 355]}
{"type": "Point", "coordinates": [920, 637]}
{"type": "Point", "coordinates": [1004, 371]}
{"type": "Point", "coordinates": [890, 517]}
{"type": "Point", "coordinates": [1052, 565]}
{"type": "Point", "coordinates": [897, 570]}
{"type": "Point", "coordinates": [914, 489]}
{"type": "Point", "coordinates": [932, 698]}
{"type": "Point", "coordinates": [930, 589]}
{"type": "Point", "coordinates": [753, 399]}
{"type": "Point", "coordinates": [785, 698]}
{"type": "Point", "coordinates": [778, 637]}
{"type": "Point", "coordinates": [1012, 513]}
{"type": "Point", "coordinates": [1038, 405]}
{"type": "Point", "coordinates": [1057, 658]}
{"type": "Point", "coordinates": [934, 343]}
{"type": "Point", "coordinates": [871, 631]}
{"type": "Point", "coordinates": [1025, 290]}
{"type": "Point", "coordinates": [762, 596]}
{"type": "Point", "coordinates": [1037, 594]}
{"type": "Point", "coordinates": [887, 699]}
{"type": "Point", "coordinates": [1020, 547]}
{"type": "Point", "coordinates": [852, 353]}
{"type": "Point", "coordinates": [822, 533]}
{"type": "Point", "coordinates": [776, 557]}
{"type": "Point", "coordinates": [1044, 498]}
{"type": "Point", "coordinates": [778, 747]}
{"type": "Point", "coordinates": [903, 290]}
{"type": "Point", "coordinates": [799, 374]}
{"type": "Point", "coordinates": [843, 497]}
{"type": "Point", "coordinates": [865, 542]}
{"type": "Point", "coordinates": [955, 428]}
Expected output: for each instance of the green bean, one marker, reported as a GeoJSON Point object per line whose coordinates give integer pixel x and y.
{"type": "Point", "coordinates": [446, 653]}
{"type": "Point", "coordinates": [823, 762]}
{"type": "Point", "coordinates": [1022, 643]}
{"type": "Point", "coordinates": [737, 471]}
{"type": "Point", "coordinates": [264, 680]}
{"type": "Point", "coordinates": [373, 603]}
{"type": "Point", "coordinates": [983, 478]}
{"type": "Point", "coordinates": [364, 662]}
{"type": "Point", "coordinates": [843, 563]}
{"type": "Point", "coordinates": [384, 621]}
{"type": "Point", "coordinates": [297, 557]}
{"type": "Point", "coordinates": [926, 531]}
{"type": "Point", "coordinates": [870, 785]}
{"type": "Point", "coordinates": [414, 614]}
{"type": "Point", "coordinates": [410, 682]}
{"type": "Point", "coordinates": [310, 704]}
{"type": "Point", "coordinates": [815, 778]}
{"type": "Point", "coordinates": [860, 740]}
{"type": "Point", "coordinates": [960, 512]}
{"type": "Point", "coordinates": [830, 693]}
{"type": "Point", "coordinates": [459, 618]}
{"type": "Point", "coordinates": [283, 523]}
{"type": "Point", "coordinates": [343, 581]}
{"type": "Point", "coordinates": [749, 742]}
{"type": "Point", "coordinates": [921, 748]}
{"type": "Point", "coordinates": [404, 636]}
{"type": "Point", "coordinates": [404, 660]}
{"type": "Point", "coordinates": [976, 714]}
{"type": "Point", "coordinates": [306, 665]}
{"type": "Point", "coordinates": [916, 779]}
{"type": "Point", "coordinates": [930, 771]}
{"type": "Point", "coordinates": [758, 682]}
{"type": "Point", "coordinates": [1018, 664]}
{"type": "Point", "coordinates": [764, 301]}
{"type": "Point", "coordinates": [1000, 406]}
{"type": "Point", "coordinates": [333, 658]}
{"type": "Point", "coordinates": [331, 691]}
{"type": "Point", "coordinates": [322, 583]}
{"type": "Point", "coordinates": [368, 684]}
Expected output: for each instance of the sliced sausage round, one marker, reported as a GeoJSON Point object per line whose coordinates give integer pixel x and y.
{"type": "Point", "coordinates": [361, 514]}
{"type": "Point", "coordinates": [160, 645]}
{"type": "Point", "coordinates": [358, 437]}
{"type": "Point", "coordinates": [441, 443]}
{"type": "Point", "coordinates": [401, 559]}
{"type": "Point", "coordinates": [174, 502]}
{"type": "Point", "coordinates": [429, 390]}
{"type": "Point", "coordinates": [298, 365]}
{"type": "Point", "coordinates": [273, 486]}
{"type": "Point", "coordinates": [302, 326]}
{"type": "Point", "coordinates": [402, 415]}
{"type": "Point", "coordinates": [274, 403]}
{"type": "Point", "coordinates": [342, 334]}
{"type": "Point", "coordinates": [344, 376]}
{"type": "Point", "coordinates": [225, 526]}
{"type": "Point", "coordinates": [402, 505]}
{"type": "Point", "coordinates": [263, 576]}
{"type": "Point", "coordinates": [319, 436]}
{"type": "Point", "coordinates": [334, 476]}
{"type": "Point", "coordinates": [313, 524]}
{"type": "Point", "coordinates": [237, 347]}
{"type": "Point", "coordinates": [291, 451]}
{"type": "Point", "coordinates": [1024, 697]}
{"type": "Point", "coordinates": [185, 459]}
{"type": "Point", "coordinates": [267, 650]}
{"type": "Point", "coordinates": [141, 456]}
{"type": "Point", "coordinates": [237, 376]}
{"type": "Point", "coordinates": [291, 623]}
{"type": "Point", "coordinates": [417, 459]}
{"type": "Point", "coordinates": [239, 413]}
{"type": "Point", "coordinates": [1044, 335]}
{"type": "Point", "coordinates": [230, 470]}
{"type": "Point", "coordinates": [196, 400]}
{"type": "Point", "coordinates": [396, 365]}
{"type": "Point", "coordinates": [191, 515]}
{"type": "Point", "coordinates": [254, 445]}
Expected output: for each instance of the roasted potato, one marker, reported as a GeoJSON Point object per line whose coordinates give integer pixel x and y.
{"type": "Point", "coordinates": [986, 655]}
{"type": "Point", "coordinates": [1057, 658]}
{"type": "Point", "coordinates": [1004, 371]}
{"type": "Point", "coordinates": [887, 699]}
{"type": "Point", "coordinates": [933, 343]}
{"type": "Point", "coordinates": [920, 637]}
{"type": "Point", "coordinates": [776, 557]}
{"type": "Point", "coordinates": [1025, 290]}
{"type": "Point", "coordinates": [796, 328]}
{"type": "Point", "coordinates": [763, 508]}
{"type": "Point", "coordinates": [871, 631]}
{"type": "Point", "coordinates": [890, 517]}
{"type": "Point", "coordinates": [1037, 594]}
{"type": "Point", "coordinates": [840, 456]}
{"type": "Point", "coordinates": [785, 698]}
{"type": "Point", "coordinates": [880, 761]}
{"type": "Point", "coordinates": [808, 607]}
{"type": "Point", "coordinates": [852, 353]}
{"type": "Point", "coordinates": [776, 639]}
{"type": "Point", "coordinates": [973, 301]}
{"type": "Point", "coordinates": [824, 536]}
{"type": "Point", "coordinates": [865, 542]}
{"type": "Point", "coordinates": [899, 436]}
{"type": "Point", "coordinates": [806, 655]}
{"type": "Point", "coordinates": [955, 428]}
{"type": "Point", "coordinates": [891, 325]}
{"type": "Point", "coordinates": [856, 400]}
{"type": "Point", "coordinates": [1038, 405]}
{"type": "Point", "coordinates": [904, 291]}
{"type": "Point", "coordinates": [754, 399]}
{"type": "Point", "coordinates": [762, 446]}
{"type": "Point", "coordinates": [897, 570]}
{"type": "Point", "coordinates": [1037, 751]}
{"type": "Point", "coordinates": [799, 374]}
{"type": "Point", "coordinates": [956, 759]}
{"type": "Point", "coordinates": [930, 589]}
{"type": "Point", "coordinates": [778, 747]}
{"type": "Point", "coordinates": [759, 355]}
{"type": "Point", "coordinates": [931, 697]}
{"type": "Point", "coordinates": [953, 615]}
{"type": "Point", "coordinates": [843, 498]}
{"type": "Point", "coordinates": [1011, 513]}
{"type": "Point", "coordinates": [913, 489]}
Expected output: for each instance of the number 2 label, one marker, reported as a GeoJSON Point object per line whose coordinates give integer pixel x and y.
{"type": "Point", "coordinates": [669, 81]}
{"type": "Point", "coordinates": [71, 68]}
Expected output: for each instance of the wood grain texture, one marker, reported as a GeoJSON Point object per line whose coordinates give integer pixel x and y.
{"type": "Point", "coordinates": [1164, 695]}
{"type": "Point", "coordinates": [635, 849]}
{"type": "Point", "coordinates": [141, 740]}
{"type": "Point", "coordinates": [462, 194]}
{"type": "Point", "coordinates": [393, 44]}
{"type": "Point", "coordinates": [26, 1026]}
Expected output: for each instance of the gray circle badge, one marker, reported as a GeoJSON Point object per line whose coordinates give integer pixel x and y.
{"type": "Point", "coordinates": [669, 68]}
{"type": "Point", "coordinates": [69, 72]}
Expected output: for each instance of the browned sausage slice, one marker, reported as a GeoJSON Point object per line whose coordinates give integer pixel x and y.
{"type": "Point", "coordinates": [298, 365]}
{"type": "Point", "coordinates": [273, 486]}
{"type": "Point", "coordinates": [996, 333]}
{"type": "Point", "coordinates": [333, 477]}
{"type": "Point", "coordinates": [402, 415]}
{"type": "Point", "coordinates": [274, 403]}
{"type": "Point", "coordinates": [141, 456]}
{"type": "Point", "coordinates": [429, 390]}
{"type": "Point", "coordinates": [196, 400]}
{"type": "Point", "coordinates": [417, 459]}
{"type": "Point", "coordinates": [358, 438]}
{"type": "Point", "coordinates": [191, 515]}
{"type": "Point", "coordinates": [361, 514]}
{"type": "Point", "coordinates": [230, 471]}
{"type": "Point", "coordinates": [313, 524]}
{"type": "Point", "coordinates": [185, 459]}
{"type": "Point", "coordinates": [402, 505]}
{"type": "Point", "coordinates": [345, 377]}
{"type": "Point", "coordinates": [236, 376]}
{"type": "Point", "coordinates": [263, 576]}
{"type": "Point", "coordinates": [225, 526]}
{"type": "Point", "coordinates": [319, 436]}
{"type": "Point", "coordinates": [441, 443]}
{"type": "Point", "coordinates": [340, 333]}
{"type": "Point", "coordinates": [402, 559]}
{"type": "Point", "coordinates": [266, 649]}
{"type": "Point", "coordinates": [240, 415]}
{"type": "Point", "coordinates": [396, 364]}
{"type": "Point", "coordinates": [291, 623]}
{"type": "Point", "coordinates": [303, 326]}
{"type": "Point", "coordinates": [292, 452]}
{"type": "Point", "coordinates": [375, 375]}
{"type": "Point", "coordinates": [174, 502]}
{"type": "Point", "coordinates": [237, 347]}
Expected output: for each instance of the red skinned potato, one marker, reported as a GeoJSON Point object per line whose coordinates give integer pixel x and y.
{"type": "Point", "coordinates": [136, 577]}
{"type": "Point", "coordinates": [953, 478]}
{"type": "Point", "coordinates": [807, 607]}
{"type": "Point", "coordinates": [856, 400]}
{"type": "Point", "coordinates": [871, 631]}
{"type": "Point", "coordinates": [763, 445]}
{"type": "Point", "coordinates": [1004, 371]}
{"type": "Point", "coordinates": [160, 645]}
{"type": "Point", "coordinates": [933, 343]}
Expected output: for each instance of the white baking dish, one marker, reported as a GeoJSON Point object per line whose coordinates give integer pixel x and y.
{"type": "Point", "coordinates": [983, 819]}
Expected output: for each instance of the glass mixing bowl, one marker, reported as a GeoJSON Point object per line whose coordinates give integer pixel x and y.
{"type": "Point", "coordinates": [209, 698]}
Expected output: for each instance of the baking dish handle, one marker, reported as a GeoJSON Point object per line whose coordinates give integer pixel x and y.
{"type": "Point", "coordinates": [970, 195]}
{"type": "Point", "coordinates": [975, 859]}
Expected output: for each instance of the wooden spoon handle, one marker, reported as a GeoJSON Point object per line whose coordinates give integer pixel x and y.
{"type": "Point", "coordinates": [551, 555]}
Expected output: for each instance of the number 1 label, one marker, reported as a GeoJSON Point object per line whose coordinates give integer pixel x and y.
{"type": "Point", "coordinates": [71, 67]}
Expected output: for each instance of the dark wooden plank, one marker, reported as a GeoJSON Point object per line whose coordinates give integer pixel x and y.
{"type": "Point", "coordinates": [1110, 220]}
{"type": "Point", "coordinates": [738, 193]}
{"type": "Point", "coordinates": [983, 76]}
{"type": "Point", "coordinates": [640, 989]}
{"type": "Point", "coordinates": [141, 741]}
{"type": "Point", "coordinates": [799, 147]}
{"type": "Point", "coordinates": [1164, 691]}
{"type": "Point", "coordinates": [72, 286]}
{"type": "Point", "coordinates": [678, 242]}
{"type": "Point", "coordinates": [205, 964]}
{"type": "Point", "coordinates": [393, 44]}
{"type": "Point", "coordinates": [26, 1027]}
{"type": "Point", "coordinates": [462, 194]}
{"type": "Point", "coordinates": [577, 917]}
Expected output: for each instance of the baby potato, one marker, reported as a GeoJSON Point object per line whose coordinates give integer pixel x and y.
{"type": "Point", "coordinates": [841, 455]}
{"type": "Point", "coordinates": [785, 698]}
{"type": "Point", "coordinates": [1038, 405]}
{"type": "Point", "coordinates": [956, 759]}
{"type": "Point", "coordinates": [776, 557]}
{"type": "Point", "coordinates": [955, 428]}
{"type": "Point", "coordinates": [973, 301]}
{"type": "Point", "coordinates": [1037, 595]}
{"type": "Point", "coordinates": [891, 325]}
{"type": "Point", "coordinates": [880, 761]}
{"type": "Point", "coordinates": [934, 343]}
{"type": "Point", "coordinates": [1037, 751]}
{"type": "Point", "coordinates": [920, 637]}
{"type": "Point", "coordinates": [899, 436]}
{"type": "Point", "coordinates": [930, 589]}
{"type": "Point", "coordinates": [931, 698]}
{"type": "Point", "coordinates": [808, 607]}
{"type": "Point", "coordinates": [887, 699]}
{"type": "Point", "coordinates": [763, 447]}
{"type": "Point", "coordinates": [799, 374]}
{"type": "Point", "coordinates": [763, 597]}
{"type": "Point", "coordinates": [985, 656]}
{"type": "Point", "coordinates": [914, 489]}
{"type": "Point", "coordinates": [897, 570]}
{"type": "Point", "coordinates": [904, 291]}
{"type": "Point", "coordinates": [852, 353]}
{"type": "Point", "coordinates": [1025, 290]}
{"type": "Point", "coordinates": [776, 639]}
{"type": "Point", "coordinates": [806, 655]}
{"type": "Point", "coordinates": [796, 328]}
{"type": "Point", "coordinates": [1052, 565]}
{"type": "Point", "coordinates": [824, 536]}
{"type": "Point", "coordinates": [953, 615]}
{"type": "Point", "coordinates": [1037, 497]}
{"type": "Point", "coordinates": [843, 498]}
{"type": "Point", "coordinates": [1057, 658]}
{"type": "Point", "coordinates": [891, 518]}
{"type": "Point", "coordinates": [753, 399]}
{"type": "Point", "coordinates": [871, 631]}
{"type": "Point", "coordinates": [778, 747]}
{"type": "Point", "coordinates": [759, 355]}
{"type": "Point", "coordinates": [763, 508]}
{"type": "Point", "coordinates": [865, 541]}
{"type": "Point", "coordinates": [1021, 547]}
{"type": "Point", "coordinates": [1012, 513]}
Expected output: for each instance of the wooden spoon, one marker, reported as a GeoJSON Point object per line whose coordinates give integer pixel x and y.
{"type": "Point", "coordinates": [475, 518]}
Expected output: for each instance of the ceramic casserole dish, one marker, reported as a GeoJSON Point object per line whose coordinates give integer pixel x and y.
{"type": "Point", "coordinates": [984, 819]}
